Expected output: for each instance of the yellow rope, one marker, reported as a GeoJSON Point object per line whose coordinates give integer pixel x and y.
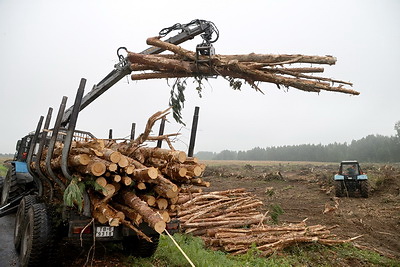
{"type": "Point", "coordinates": [180, 249]}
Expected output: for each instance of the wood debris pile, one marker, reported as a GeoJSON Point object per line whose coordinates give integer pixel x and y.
{"type": "Point", "coordinates": [199, 212]}
{"type": "Point", "coordinates": [127, 182]}
{"type": "Point", "coordinates": [231, 221]}
{"type": "Point", "coordinates": [251, 68]}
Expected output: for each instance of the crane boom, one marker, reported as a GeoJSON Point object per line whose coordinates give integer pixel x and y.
{"type": "Point", "coordinates": [121, 69]}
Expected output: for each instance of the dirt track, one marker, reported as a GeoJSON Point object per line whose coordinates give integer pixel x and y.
{"type": "Point", "coordinates": [8, 255]}
{"type": "Point", "coordinates": [305, 191]}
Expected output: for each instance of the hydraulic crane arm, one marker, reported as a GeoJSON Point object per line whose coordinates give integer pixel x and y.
{"type": "Point", "coordinates": [121, 69]}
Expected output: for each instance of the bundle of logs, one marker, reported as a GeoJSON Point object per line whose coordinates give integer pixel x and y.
{"type": "Point", "coordinates": [127, 182]}
{"type": "Point", "coordinates": [232, 221]}
{"type": "Point", "coordinates": [252, 68]}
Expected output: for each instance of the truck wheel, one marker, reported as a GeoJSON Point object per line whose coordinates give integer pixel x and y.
{"type": "Point", "coordinates": [339, 189]}
{"type": "Point", "coordinates": [138, 247]}
{"type": "Point", "coordinates": [38, 237]}
{"type": "Point", "coordinates": [20, 219]}
{"type": "Point", "coordinates": [364, 188]}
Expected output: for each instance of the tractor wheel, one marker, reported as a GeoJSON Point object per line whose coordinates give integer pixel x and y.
{"type": "Point", "coordinates": [1, 184]}
{"type": "Point", "coordinates": [20, 219]}
{"type": "Point", "coordinates": [339, 189]}
{"type": "Point", "coordinates": [10, 189]}
{"type": "Point", "coordinates": [364, 188]}
{"type": "Point", "coordinates": [138, 247]}
{"type": "Point", "coordinates": [38, 242]}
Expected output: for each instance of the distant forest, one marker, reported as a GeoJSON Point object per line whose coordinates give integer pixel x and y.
{"type": "Point", "coordinates": [373, 148]}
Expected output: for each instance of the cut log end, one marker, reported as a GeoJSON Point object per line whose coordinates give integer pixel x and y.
{"type": "Point", "coordinates": [181, 156]}
{"type": "Point", "coordinates": [141, 186]}
{"type": "Point", "coordinates": [162, 203]}
{"type": "Point", "coordinates": [160, 226]}
{"type": "Point", "coordinates": [123, 162]}
{"type": "Point", "coordinates": [101, 181]}
{"type": "Point", "coordinates": [113, 167]}
{"type": "Point", "coordinates": [98, 169]}
{"type": "Point", "coordinates": [152, 172]}
{"type": "Point", "coordinates": [115, 157]}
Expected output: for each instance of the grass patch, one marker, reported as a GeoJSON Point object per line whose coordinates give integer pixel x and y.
{"type": "Point", "coordinates": [3, 170]}
{"type": "Point", "coordinates": [340, 255]}
{"type": "Point", "coordinates": [347, 251]}
{"type": "Point", "coordinates": [168, 255]}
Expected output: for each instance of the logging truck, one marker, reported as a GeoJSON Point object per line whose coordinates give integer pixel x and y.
{"type": "Point", "coordinates": [37, 193]}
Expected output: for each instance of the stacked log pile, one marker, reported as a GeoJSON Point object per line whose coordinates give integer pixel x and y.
{"type": "Point", "coordinates": [281, 70]}
{"type": "Point", "coordinates": [127, 182]}
{"type": "Point", "coordinates": [231, 221]}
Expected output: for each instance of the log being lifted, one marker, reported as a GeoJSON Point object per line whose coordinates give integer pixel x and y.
{"type": "Point", "coordinates": [250, 68]}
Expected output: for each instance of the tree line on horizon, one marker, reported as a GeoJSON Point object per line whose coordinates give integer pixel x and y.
{"type": "Point", "coordinates": [372, 148]}
{"type": "Point", "coordinates": [6, 155]}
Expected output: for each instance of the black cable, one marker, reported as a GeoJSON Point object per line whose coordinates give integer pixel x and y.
{"type": "Point", "coordinates": [208, 31]}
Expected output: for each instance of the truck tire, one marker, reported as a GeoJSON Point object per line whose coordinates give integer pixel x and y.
{"type": "Point", "coordinates": [20, 218]}
{"type": "Point", "coordinates": [138, 247]}
{"type": "Point", "coordinates": [339, 189]}
{"type": "Point", "coordinates": [364, 188]}
{"type": "Point", "coordinates": [38, 238]}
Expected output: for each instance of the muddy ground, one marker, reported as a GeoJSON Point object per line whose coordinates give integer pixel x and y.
{"type": "Point", "coordinates": [305, 191]}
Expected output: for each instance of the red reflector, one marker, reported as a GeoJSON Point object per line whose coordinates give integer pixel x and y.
{"type": "Point", "coordinates": [172, 226]}
{"type": "Point", "coordinates": [79, 229]}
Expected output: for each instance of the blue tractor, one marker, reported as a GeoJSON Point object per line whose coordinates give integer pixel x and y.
{"type": "Point", "coordinates": [351, 180]}
{"type": "Point", "coordinates": [18, 181]}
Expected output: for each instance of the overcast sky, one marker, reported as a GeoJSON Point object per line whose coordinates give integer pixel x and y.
{"type": "Point", "coordinates": [46, 47]}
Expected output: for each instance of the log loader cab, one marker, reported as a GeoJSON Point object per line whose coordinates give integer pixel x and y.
{"type": "Point", "coordinates": [350, 179]}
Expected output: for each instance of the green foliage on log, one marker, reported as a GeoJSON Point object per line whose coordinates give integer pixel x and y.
{"type": "Point", "coordinates": [73, 194]}
{"type": "Point", "coordinates": [177, 99]}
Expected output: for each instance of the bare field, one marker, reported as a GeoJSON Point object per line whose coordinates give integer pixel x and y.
{"type": "Point", "coordinates": [304, 190]}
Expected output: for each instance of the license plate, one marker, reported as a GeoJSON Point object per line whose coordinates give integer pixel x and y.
{"type": "Point", "coordinates": [104, 231]}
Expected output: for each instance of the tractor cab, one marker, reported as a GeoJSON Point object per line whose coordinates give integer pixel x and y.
{"type": "Point", "coordinates": [22, 148]}
{"type": "Point", "coordinates": [350, 168]}
{"type": "Point", "coordinates": [350, 179]}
